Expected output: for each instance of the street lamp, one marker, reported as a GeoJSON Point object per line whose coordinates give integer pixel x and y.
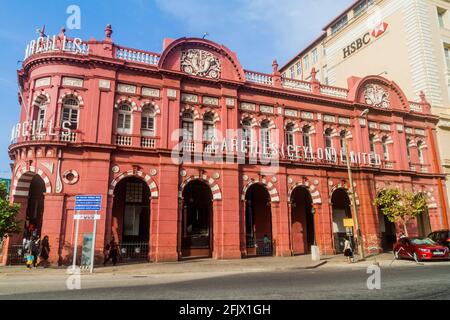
{"type": "Point", "coordinates": [359, 237]}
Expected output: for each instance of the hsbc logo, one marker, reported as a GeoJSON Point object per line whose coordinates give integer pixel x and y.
{"type": "Point", "coordinates": [379, 29]}
{"type": "Point", "coordinates": [365, 39]}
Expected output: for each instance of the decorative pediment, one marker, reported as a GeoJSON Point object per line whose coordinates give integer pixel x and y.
{"type": "Point", "coordinates": [200, 63]}
{"type": "Point", "coordinates": [376, 96]}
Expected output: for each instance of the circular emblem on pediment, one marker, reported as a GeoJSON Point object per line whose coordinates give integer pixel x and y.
{"type": "Point", "coordinates": [376, 96]}
{"type": "Point", "coordinates": [200, 63]}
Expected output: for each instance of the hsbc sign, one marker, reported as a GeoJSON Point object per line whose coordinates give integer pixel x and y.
{"type": "Point", "coordinates": [365, 39]}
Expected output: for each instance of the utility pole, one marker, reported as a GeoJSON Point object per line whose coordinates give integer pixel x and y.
{"type": "Point", "coordinates": [355, 207]}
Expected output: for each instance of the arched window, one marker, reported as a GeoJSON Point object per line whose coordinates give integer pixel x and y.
{"type": "Point", "coordinates": [290, 140]}
{"type": "Point", "coordinates": [70, 113]}
{"type": "Point", "coordinates": [208, 127]}
{"type": "Point", "coordinates": [408, 150]}
{"type": "Point", "coordinates": [39, 113]}
{"type": "Point", "coordinates": [343, 140]}
{"type": "Point", "coordinates": [247, 131]}
{"type": "Point", "coordinates": [124, 118]}
{"type": "Point", "coordinates": [187, 125]}
{"type": "Point", "coordinates": [328, 138]}
{"type": "Point", "coordinates": [307, 137]}
{"type": "Point", "coordinates": [420, 145]}
{"type": "Point", "coordinates": [265, 136]}
{"type": "Point", "coordinates": [148, 121]}
{"type": "Point", "coordinates": [384, 143]}
{"type": "Point", "coordinates": [373, 148]}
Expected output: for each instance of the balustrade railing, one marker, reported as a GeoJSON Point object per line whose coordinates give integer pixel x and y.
{"type": "Point", "coordinates": [415, 107]}
{"type": "Point", "coordinates": [137, 56]}
{"type": "Point", "coordinates": [334, 91]}
{"type": "Point", "coordinates": [388, 164]}
{"type": "Point", "coordinates": [259, 78]}
{"type": "Point", "coordinates": [123, 140]}
{"type": "Point", "coordinates": [296, 84]}
{"type": "Point", "coordinates": [68, 137]}
{"type": "Point", "coordinates": [188, 146]}
{"type": "Point", "coordinates": [148, 143]}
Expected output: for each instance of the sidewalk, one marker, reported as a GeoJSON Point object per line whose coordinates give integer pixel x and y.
{"type": "Point", "coordinates": [259, 264]}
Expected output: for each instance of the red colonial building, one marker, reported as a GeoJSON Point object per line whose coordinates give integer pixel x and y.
{"type": "Point", "coordinates": [259, 167]}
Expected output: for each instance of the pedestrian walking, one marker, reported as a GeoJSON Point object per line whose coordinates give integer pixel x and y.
{"type": "Point", "coordinates": [44, 252]}
{"type": "Point", "coordinates": [29, 259]}
{"type": "Point", "coordinates": [348, 250]}
{"type": "Point", "coordinates": [34, 249]}
{"type": "Point", "coordinates": [266, 240]}
{"type": "Point", "coordinates": [113, 252]}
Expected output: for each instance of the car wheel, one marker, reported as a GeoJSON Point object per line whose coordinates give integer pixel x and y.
{"type": "Point", "coordinates": [416, 258]}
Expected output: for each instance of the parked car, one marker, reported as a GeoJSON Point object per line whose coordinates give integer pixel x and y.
{"type": "Point", "coordinates": [420, 249]}
{"type": "Point", "coordinates": [441, 237]}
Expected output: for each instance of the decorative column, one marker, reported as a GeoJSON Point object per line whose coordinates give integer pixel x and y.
{"type": "Point", "coordinates": [153, 239]}
{"type": "Point", "coordinates": [227, 225]}
{"type": "Point", "coordinates": [166, 238]}
{"type": "Point", "coordinates": [53, 217]}
{"type": "Point", "coordinates": [284, 220]}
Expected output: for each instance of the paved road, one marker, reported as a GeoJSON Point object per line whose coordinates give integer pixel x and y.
{"type": "Point", "coordinates": [404, 282]}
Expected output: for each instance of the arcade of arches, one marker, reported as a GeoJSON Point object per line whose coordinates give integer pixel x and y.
{"type": "Point", "coordinates": [198, 224]}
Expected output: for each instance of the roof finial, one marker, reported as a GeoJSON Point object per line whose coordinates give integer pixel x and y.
{"type": "Point", "coordinates": [108, 31]}
{"type": "Point", "coordinates": [422, 96]}
{"type": "Point", "coordinates": [313, 75]}
{"type": "Point", "coordinates": [275, 66]}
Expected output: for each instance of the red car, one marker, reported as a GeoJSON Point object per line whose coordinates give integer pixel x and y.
{"type": "Point", "coordinates": [420, 249]}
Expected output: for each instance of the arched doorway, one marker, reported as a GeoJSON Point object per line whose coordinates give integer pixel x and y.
{"type": "Point", "coordinates": [131, 218]}
{"type": "Point", "coordinates": [424, 224]}
{"type": "Point", "coordinates": [197, 220]}
{"type": "Point", "coordinates": [302, 220]}
{"type": "Point", "coordinates": [258, 221]}
{"type": "Point", "coordinates": [35, 207]}
{"type": "Point", "coordinates": [388, 231]}
{"type": "Point", "coordinates": [341, 210]}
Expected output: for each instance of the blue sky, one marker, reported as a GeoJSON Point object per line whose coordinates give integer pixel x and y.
{"type": "Point", "coordinates": [257, 30]}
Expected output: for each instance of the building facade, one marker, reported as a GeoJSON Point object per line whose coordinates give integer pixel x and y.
{"type": "Point", "coordinates": [259, 167]}
{"type": "Point", "coordinates": [404, 40]}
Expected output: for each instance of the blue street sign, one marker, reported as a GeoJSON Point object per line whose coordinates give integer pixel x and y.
{"type": "Point", "coordinates": [87, 208]}
{"type": "Point", "coordinates": [88, 203]}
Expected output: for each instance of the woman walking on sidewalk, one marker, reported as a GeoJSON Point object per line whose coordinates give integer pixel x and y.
{"type": "Point", "coordinates": [113, 252]}
{"type": "Point", "coordinates": [348, 250]}
{"type": "Point", "coordinates": [44, 252]}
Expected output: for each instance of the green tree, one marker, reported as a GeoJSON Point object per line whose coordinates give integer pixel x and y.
{"type": "Point", "coordinates": [401, 206]}
{"type": "Point", "coordinates": [8, 214]}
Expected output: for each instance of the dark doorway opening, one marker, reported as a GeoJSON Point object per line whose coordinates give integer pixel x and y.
{"type": "Point", "coordinates": [131, 210]}
{"type": "Point", "coordinates": [35, 207]}
{"type": "Point", "coordinates": [341, 210]}
{"type": "Point", "coordinates": [258, 220]}
{"type": "Point", "coordinates": [196, 238]}
{"type": "Point", "coordinates": [302, 228]}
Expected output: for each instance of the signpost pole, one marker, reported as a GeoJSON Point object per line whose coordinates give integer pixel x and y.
{"type": "Point", "coordinates": [93, 244]}
{"type": "Point", "coordinates": [75, 244]}
{"type": "Point", "coordinates": [355, 207]}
